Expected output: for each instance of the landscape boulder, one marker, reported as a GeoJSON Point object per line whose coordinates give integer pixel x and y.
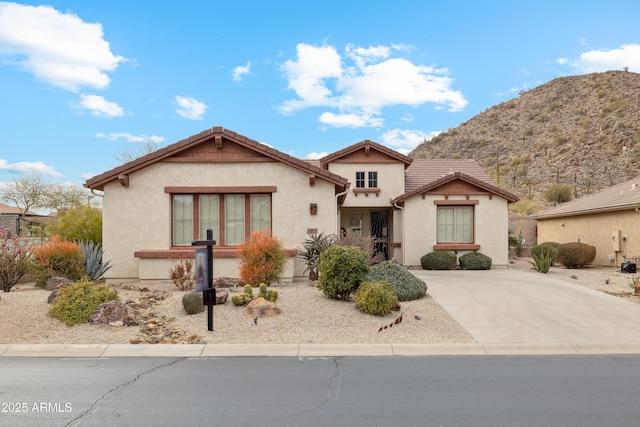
{"type": "Point", "coordinates": [227, 282]}
{"type": "Point", "coordinates": [221, 296]}
{"type": "Point", "coordinates": [260, 307]}
{"type": "Point", "coordinates": [54, 283]}
{"type": "Point", "coordinates": [114, 313]}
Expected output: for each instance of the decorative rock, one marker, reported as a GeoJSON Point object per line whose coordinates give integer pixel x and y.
{"type": "Point", "coordinates": [260, 307]}
{"type": "Point", "coordinates": [221, 296]}
{"type": "Point", "coordinates": [227, 282]}
{"type": "Point", "coordinates": [52, 296]}
{"type": "Point", "coordinates": [110, 312]}
{"type": "Point", "coordinates": [54, 283]}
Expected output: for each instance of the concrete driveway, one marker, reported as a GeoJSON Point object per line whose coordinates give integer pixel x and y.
{"type": "Point", "coordinates": [509, 306]}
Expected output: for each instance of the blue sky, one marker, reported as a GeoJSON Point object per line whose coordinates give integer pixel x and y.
{"type": "Point", "coordinates": [83, 81]}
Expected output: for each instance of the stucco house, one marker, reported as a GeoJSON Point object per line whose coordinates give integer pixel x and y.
{"type": "Point", "coordinates": [155, 206]}
{"type": "Point", "coordinates": [608, 219]}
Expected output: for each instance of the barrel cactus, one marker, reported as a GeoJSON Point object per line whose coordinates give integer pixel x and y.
{"type": "Point", "coordinates": [192, 303]}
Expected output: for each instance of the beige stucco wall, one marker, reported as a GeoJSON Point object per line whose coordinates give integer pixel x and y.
{"type": "Point", "coordinates": [596, 230]}
{"type": "Point", "coordinates": [491, 228]}
{"type": "Point", "coordinates": [138, 217]}
{"type": "Point", "coordinates": [390, 182]}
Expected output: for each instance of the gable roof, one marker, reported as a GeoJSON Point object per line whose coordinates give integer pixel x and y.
{"type": "Point", "coordinates": [366, 146]}
{"type": "Point", "coordinates": [620, 197]}
{"type": "Point", "coordinates": [424, 171]}
{"type": "Point", "coordinates": [215, 135]}
{"type": "Point", "coordinates": [426, 175]}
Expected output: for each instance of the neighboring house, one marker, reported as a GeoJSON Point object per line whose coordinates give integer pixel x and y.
{"type": "Point", "coordinates": [608, 220]}
{"type": "Point", "coordinates": [155, 206]}
{"type": "Point", "coordinates": [12, 218]}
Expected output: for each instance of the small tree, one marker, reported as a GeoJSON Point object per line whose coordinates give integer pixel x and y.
{"type": "Point", "coordinates": [262, 259]}
{"type": "Point", "coordinates": [79, 224]}
{"type": "Point", "coordinates": [15, 260]}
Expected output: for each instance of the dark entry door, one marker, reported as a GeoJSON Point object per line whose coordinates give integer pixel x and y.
{"type": "Point", "coordinates": [380, 235]}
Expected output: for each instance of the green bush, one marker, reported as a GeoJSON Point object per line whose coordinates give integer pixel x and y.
{"type": "Point", "coordinates": [542, 249]}
{"type": "Point", "coordinates": [543, 257]}
{"type": "Point", "coordinates": [439, 260]}
{"type": "Point", "coordinates": [475, 261]}
{"type": "Point", "coordinates": [192, 303]}
{"type": "Point", "coordinates": [342, 269]}
{"type": "Point", "coordinates": [377, 298]}
{"type": "Point", "coordinates": [406, 286]}
{"type": "Point", "coordinates": [78, 224]}
{"type": "Point", "coordinates": [77, 302]}
{"type": "Point", "coordinates": [576, 254]}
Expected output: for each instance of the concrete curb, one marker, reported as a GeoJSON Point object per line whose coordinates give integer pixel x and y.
{"type": "Point", "coordinates": [306, 350]}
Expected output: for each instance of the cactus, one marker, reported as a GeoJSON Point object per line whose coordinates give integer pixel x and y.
{"type": "Point", "coordinates": [262, 290]}
{"type": "Point", "coordinates": [269, 295]}
{"type": "Point", "coordinates": [192, 303]}
{"type": "Point", "coordinates": [241, 299]}
{"type": "Point", "coordinates": [248, 290]}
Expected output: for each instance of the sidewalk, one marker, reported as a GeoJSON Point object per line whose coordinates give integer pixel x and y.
{"type": "Point", "coordinates": [305, 350]}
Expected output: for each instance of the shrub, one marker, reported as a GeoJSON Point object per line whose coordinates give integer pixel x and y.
{"type": "Point", "coordinates": [342, 269]}
{"type": "Point", "coordinates": [475, 261]}
{"type": "Point", "coordinates": [543, 256]}
{"type": "Point", "coordinates": [57, 258]}
{"type": "Point", "coordinates": [77, 302]}
{"type": "Point", "coordinates": [406, 286]}
{"type": "Point", "coordinates": [181, 273]}
{"type": "Point", "coordinates": [439, 260]}
{"type": "Point", "coordinates": [92, 255]}
{"type": "Point", "coordinates": [543, 248]}
{"type": "Point", "coordinates": [576, 254]}
{"type": "Point", "coordinates": [192, 303]}
{"type": "Point", "coordinates": [558, 193]}
{"type": "Point", "coordinates": [15, 260]}
{"type": "Point", "coordinates": [365, 243]}
{"type": "Point", "coordinates": [311, 250]}
{"type": "Point", "coordinates": [377, 298]}
{"type": "Point", "coordinates": [79, 224]}
{"type": "Point", "coordinates": [262, 258]}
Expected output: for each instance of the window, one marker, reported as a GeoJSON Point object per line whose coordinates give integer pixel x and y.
{"type": "Point", "coordinates": [359, 179]}
{"type": "Point", "coordinates": [231, 217]}
{"type": "Point", "coordinates": [455, 224]}
{"type": "Point", "coordinates": [373, 179]}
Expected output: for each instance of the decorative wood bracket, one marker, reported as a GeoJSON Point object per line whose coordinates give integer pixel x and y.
{"type": "Point", "coordinates": [124, 180]}
{"type": "Point", "coordinates": [312, 180]}
{"type": "Point", "coordinates": [217, 139]}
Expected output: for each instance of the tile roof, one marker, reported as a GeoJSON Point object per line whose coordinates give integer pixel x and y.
{"type": "Point", "coordinates": [619, 197]}
{"type": "Point", "coordinates": [98, 182]}
{"type": "Point", "coordinates": [423, 171]}
{"type": "Point", "coordinates": [367, 143]}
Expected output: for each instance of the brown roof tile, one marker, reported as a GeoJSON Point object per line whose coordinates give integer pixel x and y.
{"type": "Point", "coordinates": [98, 181]}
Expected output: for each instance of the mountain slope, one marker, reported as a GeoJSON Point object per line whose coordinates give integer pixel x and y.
{"type": "Point", "coordinates": [583, 131]}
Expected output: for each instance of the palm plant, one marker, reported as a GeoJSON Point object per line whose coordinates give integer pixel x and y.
{"type": "Point", "coordinates": [311, 250]}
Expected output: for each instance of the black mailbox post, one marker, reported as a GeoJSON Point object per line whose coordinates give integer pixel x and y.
{"type": "Point", "coordinates": [209, 294]}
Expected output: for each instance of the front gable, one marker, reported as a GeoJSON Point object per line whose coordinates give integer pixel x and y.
{"type": "Point", "coordinates": [218, 150]}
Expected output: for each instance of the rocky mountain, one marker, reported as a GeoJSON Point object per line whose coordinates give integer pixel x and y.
{"type": "Point", "coordinates": [582, 131]}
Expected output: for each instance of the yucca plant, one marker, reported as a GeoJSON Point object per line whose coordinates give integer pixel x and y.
{"type": "Point", "coordinates": [543, 258]}
{"type": "Point", "coordinates": [311, 250]}
{"type": "Point", "coordinates": [92, 255]}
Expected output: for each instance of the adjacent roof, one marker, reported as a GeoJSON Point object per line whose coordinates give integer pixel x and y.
{"type": "Point", "coordinates": [6, 209]}
{"type": "Point", "coordinates": [365, 145]}
{"type": "Point", "coordinates": [620, 197]}
{"type": "Point", "coordinates": [208, 136]}
{"type": "Point", "coordinates": [426, 175]}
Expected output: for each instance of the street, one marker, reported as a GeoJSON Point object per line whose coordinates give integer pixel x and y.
{"type": "Point", "coordinates": [322, 391]}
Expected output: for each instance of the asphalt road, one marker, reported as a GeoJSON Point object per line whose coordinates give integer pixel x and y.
{"type": "Point", "coordinates": [352, 391]}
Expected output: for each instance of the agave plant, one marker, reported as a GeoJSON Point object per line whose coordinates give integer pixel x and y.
{"type": "Point", "coordinates": [92, 254]}
{"type": "Point", "coordinates": [311, 250]}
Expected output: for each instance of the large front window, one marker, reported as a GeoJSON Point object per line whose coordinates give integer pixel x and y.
{"type": "Point", "coordinates": [455, 224]}
{"type": "Point", "coordinates": [231, 217]}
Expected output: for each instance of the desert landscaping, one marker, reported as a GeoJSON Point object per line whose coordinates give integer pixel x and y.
{"type": "Point", "coordinates": [307, 316]}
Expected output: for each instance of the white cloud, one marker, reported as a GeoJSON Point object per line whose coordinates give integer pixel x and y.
{"type": "Point", "coordinates": [351, 120]}
{"type": "Point", "coordinates": [316, 156]}
{"type": "Point", "coordinates": [241, 70]}
{"type": "Point", "coordinates": [363, 82]}
{"type": "Point", "coordinates": [562, 61]}
{"type": "Point", "coordinates": [604, 60]}
{"type": "Point", "coordinates": [405, 141]}
{"type": "Point", "coordinates": [190, 108]}
{"type": "Point", "coordinates": [98, 106]}
{"type": "Point", "coordinates": [29, 167]}
{"type": "Point", "coordinates": [114, 136]}
{"type": "Point", "coordinates": [58, 48]}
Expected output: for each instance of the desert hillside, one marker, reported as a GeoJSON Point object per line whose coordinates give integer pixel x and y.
{"type": "Point", "coordinates": [582, 131]}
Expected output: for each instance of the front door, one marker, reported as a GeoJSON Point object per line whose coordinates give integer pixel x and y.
{"type": "Point", "coordinates": [380, 235]}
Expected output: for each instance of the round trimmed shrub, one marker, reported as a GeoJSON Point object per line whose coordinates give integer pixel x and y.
{"type": "Point", "coordinates": [406, 286]}
{"type": "Point", "coordinates": [377, 298]}
{"type": "Point", "coordinates": [439, 260]}
{"type": "Point", "coordinates": [576, 254]}
{"type": "Point", "coordinates": [475, 261]}
{"type": "Point", "coordinates": [77, 302]}
{"type": "Point", "coordinates": [342, 269]}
